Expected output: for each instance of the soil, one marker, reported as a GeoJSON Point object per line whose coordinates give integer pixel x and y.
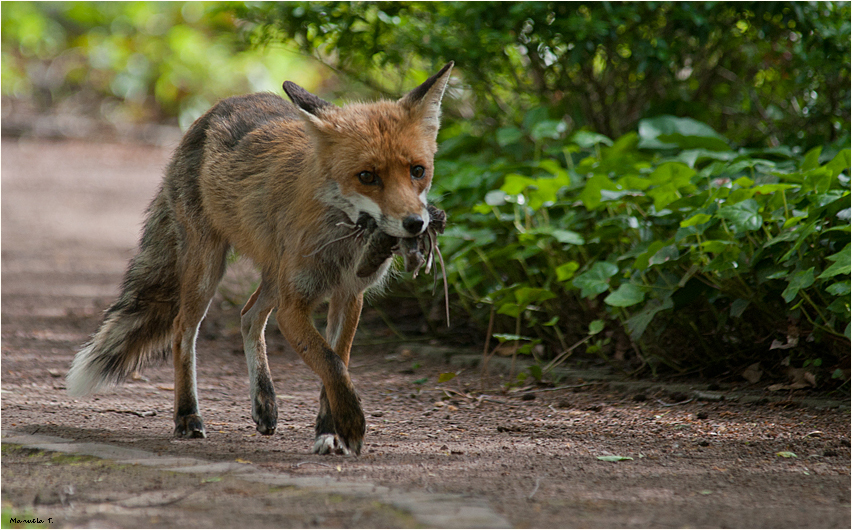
{"type": "Point", "coordinates": [71, 215]}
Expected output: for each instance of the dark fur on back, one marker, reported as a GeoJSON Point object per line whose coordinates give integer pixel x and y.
{"type": "Point", "coordinates": [137, 328]}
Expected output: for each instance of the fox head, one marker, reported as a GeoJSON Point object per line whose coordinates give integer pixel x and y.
{"type": "Point", "coordinates": [378, 157]}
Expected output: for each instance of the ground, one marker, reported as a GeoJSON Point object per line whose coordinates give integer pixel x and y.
{"type": "Point", "coordinates": [71, 214]}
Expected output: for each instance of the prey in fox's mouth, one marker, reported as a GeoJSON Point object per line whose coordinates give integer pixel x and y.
{"type": "Point", "coordinates": [416, 251]}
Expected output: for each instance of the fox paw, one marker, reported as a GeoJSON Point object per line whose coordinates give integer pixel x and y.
{"type": "Point", "coordinates": [329, 444]}
{"type": "Point", "coordinates": [350, 424]}
{"type": "Point", "coordinates": [265, 414]}
{"type": "Point", "coordinates": [189, 426]}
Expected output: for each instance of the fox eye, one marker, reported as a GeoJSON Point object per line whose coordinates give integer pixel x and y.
{"type": "Point", "coordinates": [418, 172]}
{"type": "Point", "coordinates": [368, 177]}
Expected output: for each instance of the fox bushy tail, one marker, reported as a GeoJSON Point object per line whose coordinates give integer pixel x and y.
{"type": "Point", "coordinates": [137, 328]}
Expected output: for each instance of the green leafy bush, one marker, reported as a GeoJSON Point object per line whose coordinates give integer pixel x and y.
{"type": "Point", "coordinates": [762, 73]}
{"type": "Point", "coordinates": [575, 196]}
{"type": "Point", "coordinates": [698, 255]}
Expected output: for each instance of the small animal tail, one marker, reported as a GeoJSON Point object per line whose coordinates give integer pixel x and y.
{"type": "Point", "coordinates": [137, 328]}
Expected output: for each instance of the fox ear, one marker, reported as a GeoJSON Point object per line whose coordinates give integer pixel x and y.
{"type": "Point", "coordinates": [425, 100]}
{"type": "Point", "coordinates": [312, 107]}
{"type": "Point", "coordinates": [304, 99]}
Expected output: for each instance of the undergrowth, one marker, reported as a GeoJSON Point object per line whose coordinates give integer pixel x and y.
{"type": "Point", "coordinates": [667, 248]}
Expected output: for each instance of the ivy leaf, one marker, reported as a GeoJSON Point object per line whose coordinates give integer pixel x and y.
{"type": "Point", "coordinates": [669, 131]}
{"type": "Point", "coordinates": [510, 309]}
{"type": "Point", "coordinates": [768, 189]}
{"type": "Point", "coordinates": [743, 215]}
{"type": "Point", "coordinates": [811, 159]}
{"type": "Point", "coordinates": [626, 295]}
{"type": "Point", "coordinates": [516, 184]}
{"type": "Point", "coordinates": [638, 322]}
{"type": "Point", "coordinates": [798, 281]}
{"type": "Point", "coordinates": [591, 194]}
{"type": "Point", "coordinates": [552, 129]}
{"type": "Point", "coordinates": [508, 135]}
{"type": "Point", "coordinates": [738, 306]}
{"type": "Point", "coordinates": [839, 163]}
{"type": "Point", "coordinates": [664, 254]}
{"type": "Point", "coordinates": [643, 260]}
{"type": "Point", "coordinates": [663, 196]}
{"type": "Point", "coordinates": [677, 174]}
{"type": "Point", "coordinates": [595, 327]}
{"type": "Point", "coordinates": [839, 289]}
{"type": "Point", "coordinates": [697, 219]}
{"type": "Point", "coordinates": [587, 139]}
{"type": "Point", "coordinates": [530, 295]}
{"type": "Point", "coordinates": [495, 198]}
{"type": "Point", "coordinates": [841, 264]}
{"type": "Point", "coordinates": [566, 271]}
{"type": "Point", "coordinates": [595, 280]}
{"type": "Point", "coordinates": [568, 237]}
{"type": "Point", "coordinates": [631, 182]}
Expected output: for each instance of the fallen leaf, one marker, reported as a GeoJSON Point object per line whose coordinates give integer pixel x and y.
{"type": "Point", "coordinates": [614, 458]}
{"type": "Point", "coordinates": [801, 376]}
{"type": "Point", "coordinates": [794, 386]}
{"type": "Point", "coordinates": [241, 461]}
{"type": "Point", "coordinates": [753, 373]}
{"type": "Point", "coordinates": [786, 454]}
{"type": "Point", "coordinates": [792, 342]}
{"type": "Point", "coordinates": [810, 378]}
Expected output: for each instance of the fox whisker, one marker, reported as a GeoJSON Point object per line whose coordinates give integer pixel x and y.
{"type": "Point", "coordinates": [356, 233]}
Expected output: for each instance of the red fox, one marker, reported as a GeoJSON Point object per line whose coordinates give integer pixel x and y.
{"type": "Point", "coordinates": [318, 196]}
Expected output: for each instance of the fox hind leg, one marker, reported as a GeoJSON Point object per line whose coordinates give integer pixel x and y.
{"type": "Point", "coordinates": [203, 268]}
{"type": "Point", "coordinates": [264, 410]}
{"type": "Point", "coordinates": [344, 312]}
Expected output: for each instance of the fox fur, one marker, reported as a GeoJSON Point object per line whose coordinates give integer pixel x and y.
{"type": "Point", "coordinates": [285, 184]}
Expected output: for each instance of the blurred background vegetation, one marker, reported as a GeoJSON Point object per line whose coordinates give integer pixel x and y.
{"type": "Point", "coordinates": [661, 186]}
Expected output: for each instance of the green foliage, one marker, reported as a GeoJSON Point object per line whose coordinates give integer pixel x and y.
{"type": "Point", "coordinates": [134, 60]}
{"type": "Point", "coordinates": [693, 248]}
{"type": "Point", "coordinates": [761, 73]}
{"type": "Point", "coordinates": [592, 170]}
{"type": "Point", "coordinates": [592, 165]}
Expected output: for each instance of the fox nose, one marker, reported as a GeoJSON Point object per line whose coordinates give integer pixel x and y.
{"type": "Point", "coordinates": [413, 224]}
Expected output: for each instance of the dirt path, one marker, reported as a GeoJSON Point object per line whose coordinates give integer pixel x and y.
{"type": "Point", "coordinates": [71, 213]}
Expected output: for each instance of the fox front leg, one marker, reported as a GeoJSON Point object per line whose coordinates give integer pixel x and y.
{"type": "Point", "coordinates": [344, 312]}
{"type": "Point", "coordinates": [343, 404]}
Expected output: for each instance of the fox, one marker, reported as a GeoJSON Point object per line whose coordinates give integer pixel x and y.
{"type": "Point", "coordinates": [319, 197]}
